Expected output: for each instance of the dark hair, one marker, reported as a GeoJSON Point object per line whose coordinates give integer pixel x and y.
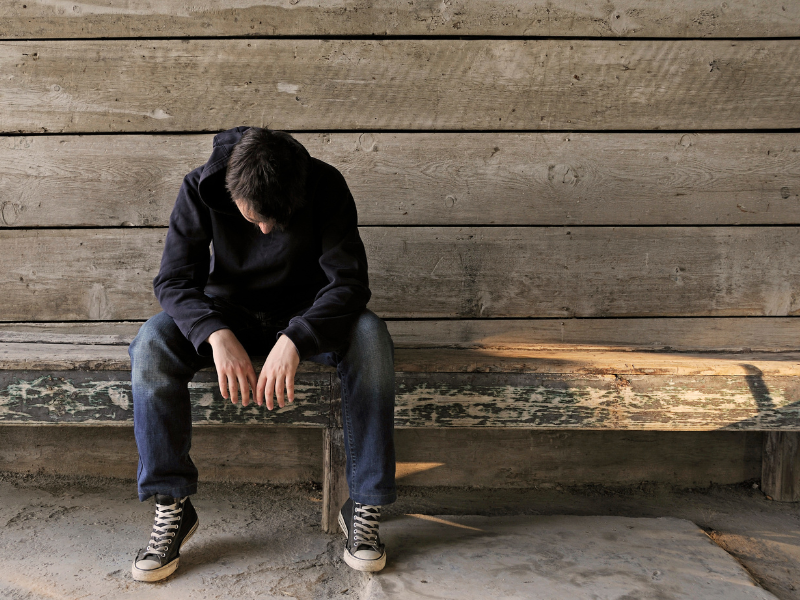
{"type": "Point", "coordinates": [267, 172]}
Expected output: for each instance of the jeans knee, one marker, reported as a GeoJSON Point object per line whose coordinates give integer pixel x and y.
{"type": "Point", "coordinates": [153, 344]}
{"type": "Point", "coordinates": [372, 334]}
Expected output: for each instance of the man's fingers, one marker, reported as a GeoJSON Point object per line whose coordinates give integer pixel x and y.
{"type": "Point", "coordinates": [270, 388]}
{"type": "Point", "coordinates": [244, 386]}
{"type": "Point", "coordinates": [290, 387]}
{"type": "Point", "coordinates": [279, 391]}
{"type": "Point", "coordinates": [223, 384]}
{"type": "Point", "coordinates": [233, 387]}
{"type": "Point", "coordinates": [262, 383]}
{"type": "Point", "coordinates": [251, 379]}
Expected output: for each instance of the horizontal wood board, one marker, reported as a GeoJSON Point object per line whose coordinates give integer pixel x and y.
{"type": "Point", "coordinates": [193, 85]}
{"type": "Point", "coordinates": [636, 402]}
{"type": "Point", "coordinates": [249, 453]}
{"type": "Point", "coordinates": [431, 178]}
{"type": "Point", "coordinates": [140, 18]}
{"type": "Point", "coordinates": [64, 357]}
{"type": "Point", "coordinates": [105, 396]}
{"type": "Point", "coordinates": [469, 457]}
{"type": "Point", "coordinates": [703, 334]}
{"type": "Point", "coordinates": [599, 402]}
{"type": "Point", "coordinates": [425, 457]}
{"type": "Point", "coordinates": [106, 274]}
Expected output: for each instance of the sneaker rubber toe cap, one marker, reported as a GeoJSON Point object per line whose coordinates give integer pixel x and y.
{"type": "Point", "coordinates": [147, 564]}
{"type": "Point", "coordinates": [367, 554]}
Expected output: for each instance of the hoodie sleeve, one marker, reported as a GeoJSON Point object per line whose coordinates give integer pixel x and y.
{"type": "Point", "coordinates": [184, 269]}
{"type": "Point", "coordinates": [324, 326]}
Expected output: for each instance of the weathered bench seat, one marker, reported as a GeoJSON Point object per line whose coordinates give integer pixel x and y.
{"type": "Point", "coordinates": [85, 378]}
{"type": "Point", "coordinates": [52, 374]}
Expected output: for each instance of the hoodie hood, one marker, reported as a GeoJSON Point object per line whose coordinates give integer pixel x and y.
{"type": "Point", "coordinates": [211, 186]}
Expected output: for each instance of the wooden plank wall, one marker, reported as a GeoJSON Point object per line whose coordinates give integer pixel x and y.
{"type": "Point", "coordinates": [609, 174]}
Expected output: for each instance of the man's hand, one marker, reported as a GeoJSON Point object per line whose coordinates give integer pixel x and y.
{"type": "Point", "coordinates": [234, 369]}
{"type": "Point", "coordinates": [278, 373]}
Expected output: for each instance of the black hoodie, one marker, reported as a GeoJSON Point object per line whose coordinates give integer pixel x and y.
{"type": "Point", "coordinates": [315, 270]}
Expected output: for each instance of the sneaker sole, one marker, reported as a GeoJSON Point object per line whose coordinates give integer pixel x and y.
{"type": "Point", "coordinates": [359, 564]}
{"type": "Point", "coordinates": [165, 571]}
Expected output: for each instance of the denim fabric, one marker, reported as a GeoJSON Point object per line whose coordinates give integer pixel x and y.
{"type": "Point", "coordinates": [163, 362]}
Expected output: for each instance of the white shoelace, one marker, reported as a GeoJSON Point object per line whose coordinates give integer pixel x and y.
{"type": "Point", "coordinates": [168, 517]}
{"type": "Point", "coordinates": [365, 524]}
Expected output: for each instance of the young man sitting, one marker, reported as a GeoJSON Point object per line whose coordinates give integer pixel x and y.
{"type": "Point", "coordinates": [286, 278]}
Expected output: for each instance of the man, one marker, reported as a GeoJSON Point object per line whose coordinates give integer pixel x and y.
{"type": "Point", "coordinates": [286, 277]}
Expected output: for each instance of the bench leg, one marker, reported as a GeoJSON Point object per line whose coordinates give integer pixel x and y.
{"type": "Point", "coordinates": [334, 463]}
{"type": "Point", "coordinates": [780, 466]}
{"type": "Point", "coordinates": [334, 483]}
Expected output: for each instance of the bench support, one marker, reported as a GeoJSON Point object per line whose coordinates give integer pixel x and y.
{"type": "Point", "coordinates": [334, 480]}
{"type": "Point", "coordinates": [780, 467]}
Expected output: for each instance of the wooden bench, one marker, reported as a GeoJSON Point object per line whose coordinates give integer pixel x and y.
{"type": "Point", "coordinates": [51, 376]}
{"type": "Point", "coordinates": [553, 260]}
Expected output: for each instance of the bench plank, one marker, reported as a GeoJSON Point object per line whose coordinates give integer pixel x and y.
{"type": "Point", "coordinates": [202, 85]}
{"type": "Point", "coordinates": [679, 334]}
{"type": "Point", "coordinates": [432, 178]}
{"type": "Point", "coordinates": [105, 397]}
{"type": "Point", "coordinates": [688, 18]}
{"type": "Point", "coordinates": [34, 356]}
{"type": "Point", "coordinates": [599, 402]}
{"type": "Point", "coordinates": [63, 357]}
{"type": "Point", "coordinates": [517, 400]}
{"type": "Point", "coordinates": [437, 272]}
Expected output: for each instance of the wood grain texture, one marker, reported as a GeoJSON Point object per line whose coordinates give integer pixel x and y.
{"type": "Point", "coordinates": [140, 18]}
{"type": "Point", "coordinates": [93, 357]}
{"type": "Point", "coordinates": [780, 477]}
{"type": "Point", "coordinates": [196, 85]}
{"type": "Point", "coordinates": [577, 360]}
{"type": "Point", "coordinates": [95, 273]}
{"type": "Point", "coordinates": [758, 402]}
{"type": "Point", "coordinates": [596, 362]}
{"type": "Point", "coordinates": [470, 457]}
{"type": "Point", "coordinates": [585, 272]}
{"type": "Point", "coordinates": [704, 334]}
{"type": "Point", "coordinates": [464, 457]}
{"type": "Point", "coordinates": [447, 272]}
{"type": "Point", "coordinates": [251, 453]}
{"type": "Point", "coordinates": [636, 402]}
{"type": "Point", "coordinates": [431, 178]}
{"type": "Point", "coordinates": [334, 483]}
{"type": "Point", "coordinates": [105, 397]}
{"type": "Point", "coordinates": [674, 334]}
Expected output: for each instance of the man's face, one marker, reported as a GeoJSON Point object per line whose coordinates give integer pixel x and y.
{"type": "Point", "coordinates": [264, 226]}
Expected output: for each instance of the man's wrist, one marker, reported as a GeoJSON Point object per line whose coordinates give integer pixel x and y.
{"type": "Point", "coordinates": [217, 335]}
{"type": "Point", "coordinates": [283, 335]}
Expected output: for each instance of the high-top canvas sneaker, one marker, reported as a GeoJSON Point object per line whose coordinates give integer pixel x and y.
{"type": "Point", "coordinates": [363, 550]}
{"type": "Point", "coordinates": [176, 521]}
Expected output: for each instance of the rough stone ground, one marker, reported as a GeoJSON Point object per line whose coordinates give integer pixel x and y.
{"type": "Point", "coordinates": [75, 537]}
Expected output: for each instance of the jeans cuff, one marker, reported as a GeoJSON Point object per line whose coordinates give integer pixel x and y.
{"type": "Point", "coordinates": [175, 492]}
{"type": "Point", "coordinates": [375, 499]}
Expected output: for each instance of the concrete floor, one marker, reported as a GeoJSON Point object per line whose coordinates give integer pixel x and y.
{"type": "Point", "coordinates": [557, 557]}
{"type": "Point", "coordinates": [75, 538]}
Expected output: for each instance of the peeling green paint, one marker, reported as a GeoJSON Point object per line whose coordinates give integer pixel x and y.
{"type": "Point", "coordinates": [92, 397]}
{"type": "Point", "coordinates": [654, 402]}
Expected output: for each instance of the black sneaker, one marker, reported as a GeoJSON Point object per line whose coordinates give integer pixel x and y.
{"type": "Point", "coordinates": [176, 521]}
{"type": "Point", "coordinates": [363, 550]}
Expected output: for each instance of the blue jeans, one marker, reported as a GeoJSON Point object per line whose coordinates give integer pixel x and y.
{"type": "Point", "coordinates": [163, 362]}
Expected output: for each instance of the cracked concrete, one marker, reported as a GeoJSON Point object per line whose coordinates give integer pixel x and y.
{"type": "Point", "coordinates": [75, 537]}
